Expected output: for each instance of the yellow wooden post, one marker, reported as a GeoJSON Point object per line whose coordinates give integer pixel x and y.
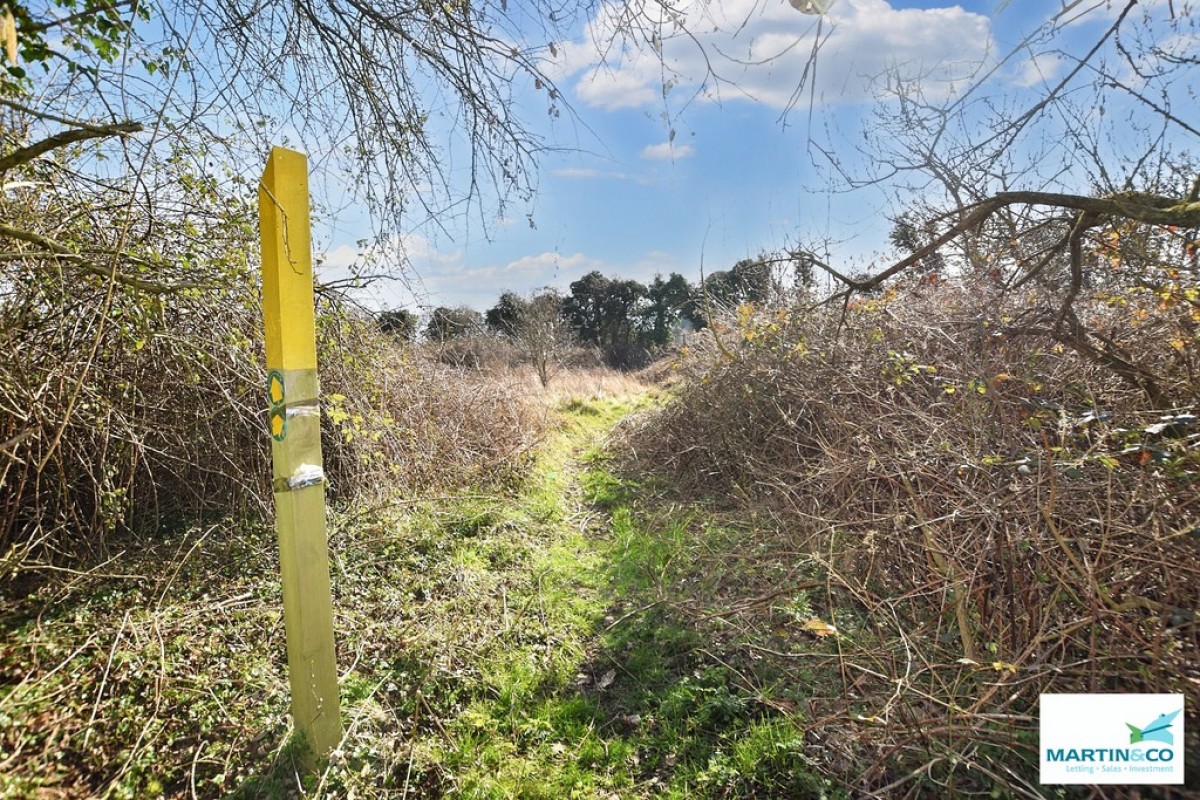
{"type": "Point", "coordinates": [295, 423]}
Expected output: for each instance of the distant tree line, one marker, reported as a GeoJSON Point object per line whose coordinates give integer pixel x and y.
{"type": "Point", "coordinates": [626, 320]}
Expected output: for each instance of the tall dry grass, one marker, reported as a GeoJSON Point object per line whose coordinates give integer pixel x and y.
{"type": "Point", "coordinates": [994, 516]}
{"type": "Point", "coordinates": [575, 372]}
{"type": "Point", "coordinates": [582, 384]}
{"type": "Point", "coordinates": [403, 419]}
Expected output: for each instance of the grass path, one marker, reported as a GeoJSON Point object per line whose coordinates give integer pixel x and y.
{"type": "Point", "coordinates": [586, 684]}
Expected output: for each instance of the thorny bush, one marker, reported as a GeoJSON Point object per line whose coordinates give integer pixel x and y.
{"type": "Point", "coordinates": [135, 405]}
{"type": "Point", "coordinates": [999, 517]}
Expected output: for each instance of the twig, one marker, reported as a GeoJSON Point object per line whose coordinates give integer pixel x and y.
{"type": "Point", "coordinates": [112, 652]}
{"type": "Point", "coordinates": [633, 613]}
{"type": "Point", "coordinates": [746, 605]}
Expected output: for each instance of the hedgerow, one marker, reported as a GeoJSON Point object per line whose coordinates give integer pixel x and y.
{"type": "Point", "coordinates": [991, 514]}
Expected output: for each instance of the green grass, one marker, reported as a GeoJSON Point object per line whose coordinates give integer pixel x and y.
{"type": "Point", "coordinates": [490, 646]}
{"type": "Point", "coordinates": [598, 705]}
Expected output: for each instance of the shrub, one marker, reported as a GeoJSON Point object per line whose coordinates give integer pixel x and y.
{"type": "Point", "coordinates": [477, 352]}
{"type": "Point", "coordinates": [1002, 516]}
{"type": "Point", "coordinates": [124, 409]}
{"type": "Point", "coordinates": [132, 393]}
{"type": "Point", "coordinates": [401, 421]}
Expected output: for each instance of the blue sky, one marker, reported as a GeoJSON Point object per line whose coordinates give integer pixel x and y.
{"type": "Point", "coordinates": [739, 175]}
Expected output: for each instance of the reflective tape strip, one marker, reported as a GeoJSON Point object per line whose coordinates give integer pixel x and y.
{"type": "Point", "coordinates": [304, 476]}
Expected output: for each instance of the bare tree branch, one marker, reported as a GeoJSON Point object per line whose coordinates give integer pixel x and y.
{"type": "Point", "coordinates": [59, 251]}
{"type": "Point", "coordinates": [1152, 209]}
{"type": "Point", "coordinates": [26, 154]}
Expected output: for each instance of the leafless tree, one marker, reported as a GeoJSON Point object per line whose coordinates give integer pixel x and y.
{"type": "Point", "coordinates": [1035, 195]}
{"type": "Point", "coordinates": [543, 334]}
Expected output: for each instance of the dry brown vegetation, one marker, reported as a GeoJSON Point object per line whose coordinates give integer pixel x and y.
{"type": "Point", "coordinates": [584, 384]}
{"type": "Point", "coordinates": [982, 513]}
{"type": "Point", "coordinates": [404, 421]}
{"type": "Point", "coordinates": [148, 416]}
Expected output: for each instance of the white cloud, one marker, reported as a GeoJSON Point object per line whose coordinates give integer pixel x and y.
{"type": "Point", "coordinates": [1095, 13]}
{"type": "Point", "coordinates": [586, 173]}
{"type": "Point", "coordinates": [1038, 69]}
{"type": "Point", "coordinates": [548, 263]}
{"type": "Point", "coordinates": [437, 277]}
{"type": "Point", "coordinates": [480, 285]}
{"type": "Point", "coordinates": [621, 88]}
{"type": "Point", "coordinates": [412, 249]}
{"type": "Point", "coordinates": [761, 51]}
{"type": "Point", "coordinates": [420, 250]}
{"type": "Point", "coordinates": [667, 151]}
{"type": "Point", "coordinates": [413, 270]}
{"type": "Point", "coordinates": [341, 257]}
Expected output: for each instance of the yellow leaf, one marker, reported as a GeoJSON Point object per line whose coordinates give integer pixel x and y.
{"type": "Point", "coordinates": [8, 24]}
{"type": "Point", "coordinates": [1004, 666]}
{"type": "Point", "coordinates": [818, 628]}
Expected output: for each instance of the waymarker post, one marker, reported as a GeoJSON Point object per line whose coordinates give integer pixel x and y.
{"type": "Point", "coordinates": [297, 470]}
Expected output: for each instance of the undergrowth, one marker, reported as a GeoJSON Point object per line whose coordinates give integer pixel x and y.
{"type": "Point", "coordinates": [842, 558]}
{"type": "Point", "coordinates": [147, 414]}
{"type": "Point", "coordinates": [527, 644]}
{"type": "Point", "coordinates": [980, 515]}
{"type": "Point", "coordinates": [162, 673]}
